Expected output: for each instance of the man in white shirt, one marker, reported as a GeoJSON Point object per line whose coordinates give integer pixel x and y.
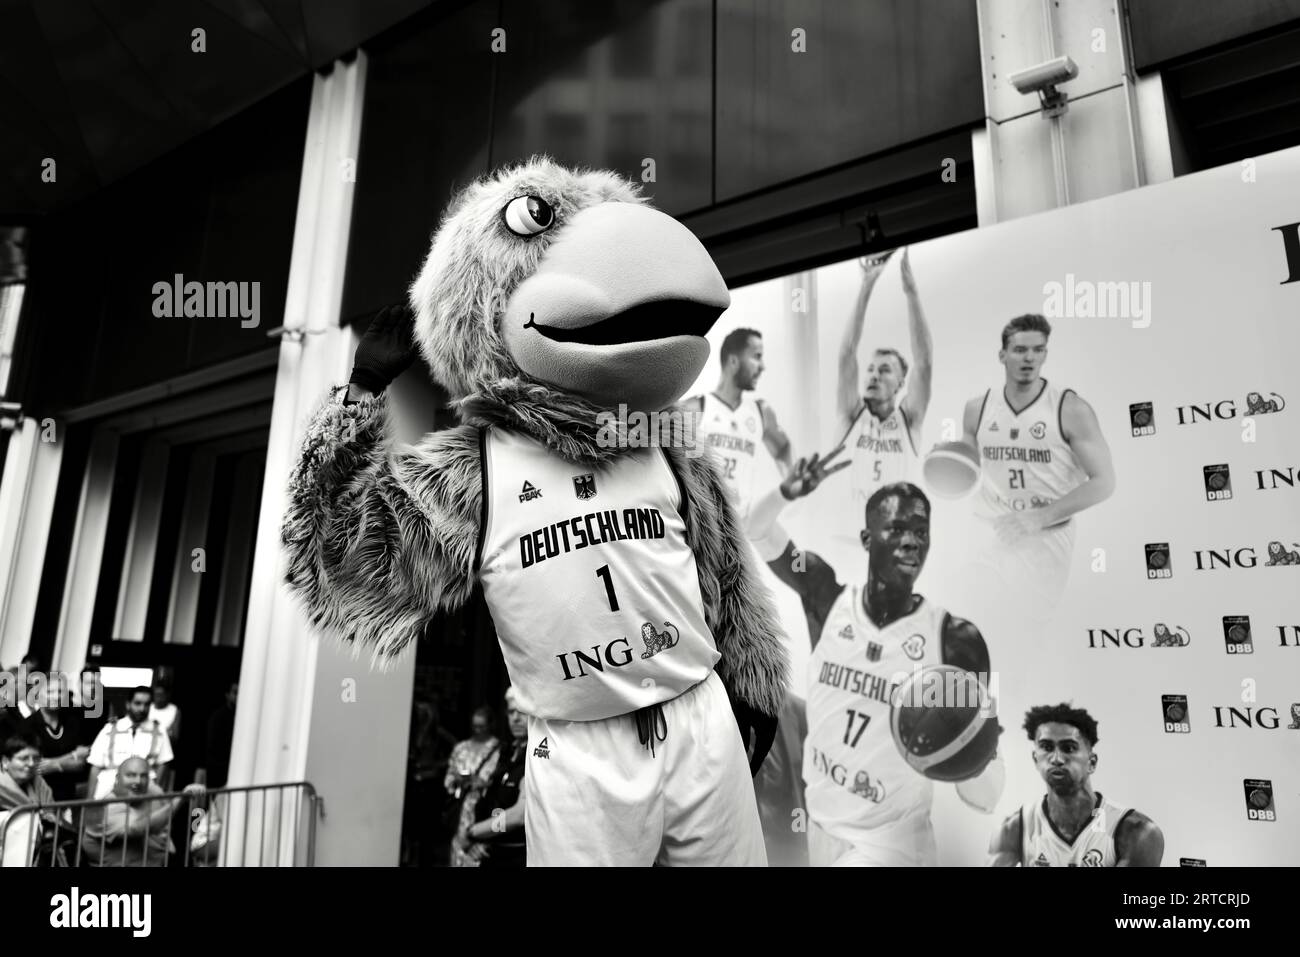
{"type": "Point", "coordinates": [165, 712]}
{"type": "Point", "coordinates": [134, 736]}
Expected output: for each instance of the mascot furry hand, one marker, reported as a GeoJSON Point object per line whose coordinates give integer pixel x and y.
{"type": "Point", "coordinates": [629, 614]}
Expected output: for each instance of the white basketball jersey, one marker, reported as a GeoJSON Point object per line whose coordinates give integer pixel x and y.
{"type": "Point", "coordinates": [882, 452]}
{"type": "Point", "coordinates": [855, 776]}
{"type": "Point", "coordinates": [1025, 461]}
{"type": "Point", "coordinates": [1042, 846]}
{"type": "Point", "coordinates": [736, 435]}
{"type": "Point", "coordinates": [592, 588]}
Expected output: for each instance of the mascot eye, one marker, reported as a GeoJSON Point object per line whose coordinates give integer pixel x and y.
{"type": "Point", "coordinates": [528, 215]}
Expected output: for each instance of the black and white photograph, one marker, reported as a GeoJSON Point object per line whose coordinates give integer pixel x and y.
{"type": "Point", "coordinates": [506, 434]}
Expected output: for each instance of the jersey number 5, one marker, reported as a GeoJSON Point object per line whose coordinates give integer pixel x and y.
{"type": "Point", "coordinates": [864, 720]}
{"type": "Point", "coordinates": [876, 476]}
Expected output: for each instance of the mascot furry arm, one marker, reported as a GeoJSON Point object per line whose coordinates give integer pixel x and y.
{"type": "Point", "coordinates": [537, 310]}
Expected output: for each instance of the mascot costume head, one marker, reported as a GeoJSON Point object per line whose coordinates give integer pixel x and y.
{"type": "Point", "coordinates": [552, 302]}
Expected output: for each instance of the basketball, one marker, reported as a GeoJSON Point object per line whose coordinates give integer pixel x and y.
{"type": "Point", "coordinates": [944, 723]}
{"type": "Point", "coordinates": [951, 469]}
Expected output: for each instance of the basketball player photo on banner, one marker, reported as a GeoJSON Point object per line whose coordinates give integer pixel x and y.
{"type": "Point", "coordinates": [1013, 489]}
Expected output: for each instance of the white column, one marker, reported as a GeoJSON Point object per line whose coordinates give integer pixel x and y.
{"type": "Point", "coordinates": [87, 556]}
{"type": "Point", "coordinates": [183, 605]}
{"type": "Point", "coordinates": [141, 544]}
{"type": "Point", "coordinates": [31, 477]}
{"type": "Point", "coordinates": [297, 719]}
{"type": "Point", "coordinates": [1097, 147]}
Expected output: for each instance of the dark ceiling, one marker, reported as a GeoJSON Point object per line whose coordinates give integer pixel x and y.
{"type": "Point", "coordinates": [102, 87]}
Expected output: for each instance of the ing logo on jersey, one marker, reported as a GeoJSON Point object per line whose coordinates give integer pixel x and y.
{"type": "Point", "coordinates": [584, 486]}
{"type": "Point", "coordinates": [657, 641]}
{"type": "Point", "coordinates": [863, 788]}
{"type": "Point", "coordinates": [1278, 554]}
{"type": "Point", "coordinates": [1167, 638]}
{"type": "Point", "coordinates": [914, 647]}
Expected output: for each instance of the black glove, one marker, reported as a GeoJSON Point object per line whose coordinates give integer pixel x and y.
{"type": "Point", "coordinates": [386, 350]}
{"type": "Point", "coordinates": [757, 730]}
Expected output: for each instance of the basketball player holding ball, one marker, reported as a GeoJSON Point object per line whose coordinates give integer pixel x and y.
{"type": "Point", "coordinates": [867, 806]}
{"type": "Point", "coordinates": [1042, 460]}
{"type": "Point", "coordinates": [1073, 825]}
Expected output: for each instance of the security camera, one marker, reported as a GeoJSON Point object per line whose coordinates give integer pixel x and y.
{"type": "Point", "coordinates": [1043, 79]}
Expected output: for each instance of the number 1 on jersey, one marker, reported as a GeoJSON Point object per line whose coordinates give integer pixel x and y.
{"type": "Point", "coordinates": [603, 572]}
{"type": "Point", "coordinates": [857, 736]}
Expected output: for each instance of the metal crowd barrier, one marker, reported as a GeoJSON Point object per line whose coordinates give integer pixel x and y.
{"type": "Point", "coordinates": [220, 827]}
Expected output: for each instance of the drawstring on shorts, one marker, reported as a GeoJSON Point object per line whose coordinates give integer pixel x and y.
{"type": "Point", "coordinates": [651, 724]}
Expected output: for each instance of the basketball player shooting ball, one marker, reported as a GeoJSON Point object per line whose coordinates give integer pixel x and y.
{"type": "Point", "coordinates": [881, 428]}
{"type": "Point", "coordinates": [1042, 460]}
{"type": "Point", "coordinates": [868, 806]}
{"type": "Point", "coordinates": [1073, 825]}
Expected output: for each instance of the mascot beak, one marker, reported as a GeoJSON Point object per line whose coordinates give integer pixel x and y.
{"type": "Point", "coordinates": [617, 309]}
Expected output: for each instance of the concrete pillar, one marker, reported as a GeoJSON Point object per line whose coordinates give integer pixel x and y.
{"type": "Point", "coordinates": [31, 477]}
{"type": "Point", "coordinates": [1025, 162]}
{"type": "Point", "coordinates": [309, 709]}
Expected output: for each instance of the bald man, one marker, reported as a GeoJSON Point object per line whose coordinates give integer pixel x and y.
{"type": "Point", "coordinates": [134, 829]}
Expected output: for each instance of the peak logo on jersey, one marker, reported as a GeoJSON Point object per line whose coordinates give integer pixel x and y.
{"type": "Point", "coordinates": [1279, 554]}
{"type": "Point", "coordinates": [543, 750]}
{"type": "Point", "coordinates": [1218, 483]}
{"type": "Point", "coordinates": [1042, 861]}
{"type": "Point", "coordinates": [1191, 862]}
{"type": "Point", "coordinates": [1014, 433]}
{"type": "Point", "coordinates": [1236, 635]}
{"type": "Point", "coordinates": [1173, 710]}
{"type": "Point", "coordinates": [847, 632]}
{"type": "Point", "coordinates": [994, 428]}
{"type": "Point", "coordinates": [584, 486]}
{"type": "Point", "coordinates": [1142, 419]}
{"type": "Point", "coordinates": [1038, 430]}
{"type": "Point", "coordinates": [1164, 638]}
{"type": "Point", "coordinates": [657, 641]}
{"type": "Point", "coordinates": [1256, 404]}
{"type": "Point", "coordinates": [1259, 799]}
{"type": "Point", "coordinates": [529, 492]}
{"type": "Point", "coordinates": [1092, 858]}
{"type": "Point", "coordinates": [1159, 564]}
{"type": "Point", "coordinates": [873, 651]}
{"type": "Point", "coordinates": [914, 647]}
{"type": "Point", "coordinates": [863, 788]}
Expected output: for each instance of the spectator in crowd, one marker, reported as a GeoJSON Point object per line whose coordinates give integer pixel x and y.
{"type": "Point", "coordinates": [63, 740]}
{"type": "Point", "coordinates": [22, 785]}
{"type": "Point", "coordinates": [497, 836]}
{"type": "Point", "coordinates": [165, 712]}
{"type": "Point", "coordinates": [468, 773]}
{"type": "Point", "coordinates": [135, 735]}
{"type": "Point", "coordinates": [15, 709]}
{"type": "Point", "coordinates": [221, 736]}
{"type": "Point", "coordinates": [136, 830]}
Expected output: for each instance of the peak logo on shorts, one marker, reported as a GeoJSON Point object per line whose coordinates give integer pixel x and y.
{"type": "Point", "coordinates": [1218, 483]}
{"type": "Point", "coordinates": [1162, 636]}
{"type": "Point", "coordinates": [1257, 403]}
{"type": "Point", "coordinates": [1141, 419]}
{"type": "Point", "coordinates": [1159, 564]}
{"type": "Point", "coordinates": [1173, 709]}
{"type": "Point", "coordinates": [1259, 799]}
